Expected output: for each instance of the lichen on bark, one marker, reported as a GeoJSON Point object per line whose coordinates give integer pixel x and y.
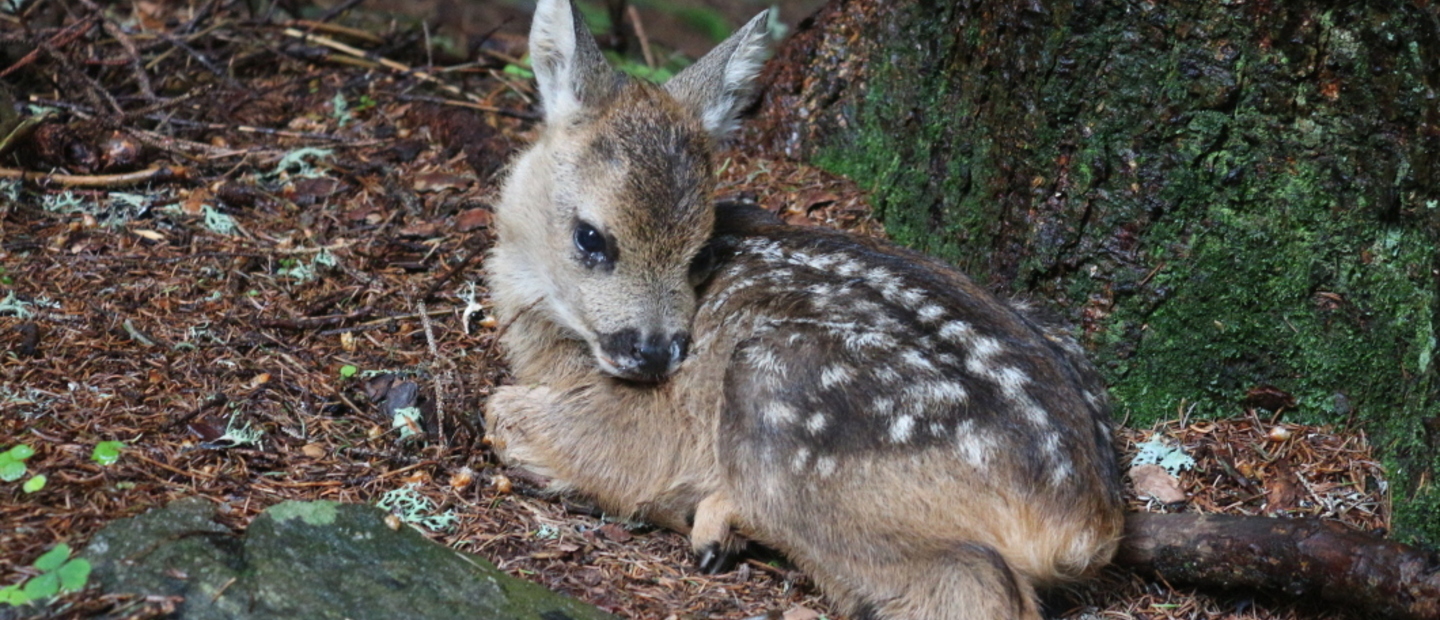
{"type": "Point", "coordinates": [1224, 194]}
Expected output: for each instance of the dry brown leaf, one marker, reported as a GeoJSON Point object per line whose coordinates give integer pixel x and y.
{"type": "Point", "coordinates": [1154, 482]}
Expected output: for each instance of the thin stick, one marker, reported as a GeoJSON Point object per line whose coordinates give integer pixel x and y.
{"type": "Point", "coordinates": [473, 106]}
{"type": "Point", "coordinates": [137, 66]}
{"type": "Point", "coordinates": [359, 53]}
{"type": "Point", "coordinates": [158, 173]}
{"type": "Point", "coordinates": [61, 39]}
{"type": "Point", "coordinates": [640, 34]}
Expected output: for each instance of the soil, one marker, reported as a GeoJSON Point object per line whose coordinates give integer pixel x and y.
{"type": "Point", "coordinates": [228, 235]}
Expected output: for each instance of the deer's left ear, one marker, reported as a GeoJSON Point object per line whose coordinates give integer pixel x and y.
{"type": "Point", "coordinates": [569, 70]}
{"type": "Point", "coordinates": [719, 85]}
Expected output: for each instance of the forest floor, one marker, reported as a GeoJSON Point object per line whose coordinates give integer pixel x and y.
{"type": "Point", "coordinates": [225, 237]}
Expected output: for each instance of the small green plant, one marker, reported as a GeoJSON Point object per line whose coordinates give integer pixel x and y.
{"type": "Point", "coordinates": [35, 483]}
{"type": "Point", "coordinates": [12, 462]}
{"type": "Point", "coordinates": [416, 509]}
{"type": "Point", "coordinates": [347, 371]}
{"type": "Point", "coordinates": [58, 573]}
{"type": "Point", "coordinates": [107, 452]}
{"type": "Point", "coordinates": [519, 72]}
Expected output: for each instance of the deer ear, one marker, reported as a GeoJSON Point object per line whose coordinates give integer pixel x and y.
{"type": "Point", "coordinates": [719, 85]}
{"type": "Point", "coordinates": [569, 70]}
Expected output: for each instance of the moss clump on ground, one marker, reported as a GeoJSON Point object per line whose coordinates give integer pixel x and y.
{"type": "Point", "coordinates": [1223, 203]}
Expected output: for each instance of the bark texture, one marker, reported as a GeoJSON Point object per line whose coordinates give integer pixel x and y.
{"type": "Point", "coordinates": [1319, 560]}
{"type": "Point", "coordinates": [1225, 194]}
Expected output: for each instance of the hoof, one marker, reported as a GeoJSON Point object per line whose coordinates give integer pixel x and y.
{"type": "Point", "coordinates": [714, 560]}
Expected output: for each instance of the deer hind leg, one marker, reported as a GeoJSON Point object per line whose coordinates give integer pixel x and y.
{"type": "Point", "coordinates": [970, 581]}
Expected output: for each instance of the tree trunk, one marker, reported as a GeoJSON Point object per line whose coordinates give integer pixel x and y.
{"type": "Point", "coordinates": [1224, 194]}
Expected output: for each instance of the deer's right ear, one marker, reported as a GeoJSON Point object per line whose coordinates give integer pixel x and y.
{"type": "Point", "coordinates": [569, 69]}
{"type": "Point", "coordinates": [719, 85]}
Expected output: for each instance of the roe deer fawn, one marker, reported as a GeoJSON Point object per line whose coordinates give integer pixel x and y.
{"type": "Point", "coordinates": [919, 447]}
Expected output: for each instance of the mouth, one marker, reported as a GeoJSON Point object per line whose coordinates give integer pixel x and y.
{"type": "Point", "coordinates": [609, 366]}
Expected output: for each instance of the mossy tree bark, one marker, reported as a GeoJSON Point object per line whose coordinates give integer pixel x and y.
{"type": "Point", "coordinates": [1225, 194]}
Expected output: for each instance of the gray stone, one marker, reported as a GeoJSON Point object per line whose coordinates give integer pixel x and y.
{"type": "Point", "coordinates": [310, 560]}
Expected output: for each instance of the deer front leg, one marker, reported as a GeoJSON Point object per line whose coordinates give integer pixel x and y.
{"type": "Point", "coordinates": [515, 421]}
{"type": "Point", "coordinates": [712, 538]}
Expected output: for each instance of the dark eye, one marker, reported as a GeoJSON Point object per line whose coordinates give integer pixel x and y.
{"type": "Point", "coordinates": [594, 249]}
{"type": "Point", "coordinates": [589, 240]}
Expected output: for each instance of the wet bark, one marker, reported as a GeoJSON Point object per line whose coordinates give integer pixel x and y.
{"type": "Point", "coordinates": [1223, 194]}
{"type": "Point", "coordinates": [1310, 558]}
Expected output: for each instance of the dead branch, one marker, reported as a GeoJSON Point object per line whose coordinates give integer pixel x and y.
{"type": "Point", "coordinates": [1307, 558]}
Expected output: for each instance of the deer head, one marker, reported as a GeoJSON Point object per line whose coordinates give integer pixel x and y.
{"type": "Point", "coordinates": [602, 222]}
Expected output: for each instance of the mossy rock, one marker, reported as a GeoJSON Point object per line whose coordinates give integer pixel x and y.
{"type": "Point", "coordinates": [310, 560]}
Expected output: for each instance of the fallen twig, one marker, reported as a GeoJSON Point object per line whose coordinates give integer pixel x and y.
{"type": "Point", "coordinates": [65, 37]}
{"type": "Point", "coordinates": [157, 173]}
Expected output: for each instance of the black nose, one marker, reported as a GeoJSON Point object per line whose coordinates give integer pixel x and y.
{"type": "Point", "coordinates": [651, 357]}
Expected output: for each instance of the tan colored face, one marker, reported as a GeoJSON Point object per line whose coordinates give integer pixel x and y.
{"type": "Point", "coordinates": [631, 228]}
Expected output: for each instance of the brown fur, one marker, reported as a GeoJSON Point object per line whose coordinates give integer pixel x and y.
{"type": "Point", "coordinates": [920, 447]}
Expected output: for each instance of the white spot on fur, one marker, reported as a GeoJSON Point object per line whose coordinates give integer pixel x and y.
{"type": "Point", "coordinates": [973, 445]}
{"type": "Point", "coordinates": [1033, 413]}
{"type": "Point", "coordinates": [883, 406]}
{"type": "Point", "coordinates": [801, 459]}
{"type": "Point", "coordinates": [848, 269]}
{"type": "Point", "coordinates": [765, 362]}
{"type": "Point", "coordinates": [912, 297]}
{"type": "Point", "coordinates": [825, 466]}
{"type": "Point", "coordinates": [957, 331]}
{"type": "Point", "coordinates": [886, 375]}
{"type": "Point", "coordinates": [1061, 473]}
{"type": "Point", "coordinates": [937, 429]}
{"type": "Point", "coordinates": [1012, 380]}
{"type": "Point", "coordinates": [950, 392]}
{"type": "Point", "coordinates": [930, 312]}
{"type": "Point", "coordinates": [834, 375]}
{"type": "Point", "coordinates": [901, 428]}
{"type": "Point", "coordinates": [917, 359]}
{"type": "Point", "coordinates": [868, 339]}
{"type": "Point", "coordinates": [777, 413]}
{"type": "Point", "coordinates": [816, 423]}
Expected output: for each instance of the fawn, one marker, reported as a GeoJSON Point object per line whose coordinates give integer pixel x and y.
{"type": "Point", "coordinates": [921, 448]}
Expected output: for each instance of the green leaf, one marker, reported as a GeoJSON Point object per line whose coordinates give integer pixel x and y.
{"type": "Point", "coordinates": [20, 452]}
{"type": "Point", "coordinates": [34, 484]}
{"type": "Point", "coordinates": [74, 574]}
{"type": "Point", "coordinates": [44, 586]}
{"type": "Point", "coordinates": [519, 72]}
{"type": "Point", "coordinates": [107, 452]}
{"type": "Point", "coordinates": [10, 469]}
{"type": "Point", "coordinates": [13, 595]}
{"type": "Point", "coordinates": [348, 371]}
{"type": "Point", "coordinates": [53, 558]}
